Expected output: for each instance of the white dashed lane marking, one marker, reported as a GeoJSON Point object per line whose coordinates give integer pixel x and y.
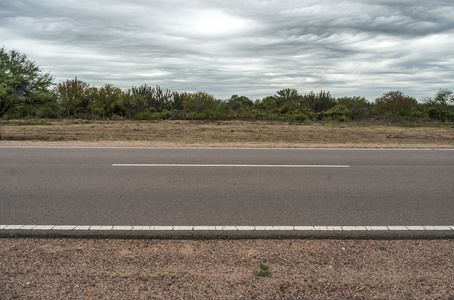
{"type": "Point", "coordinates": [230, 165]}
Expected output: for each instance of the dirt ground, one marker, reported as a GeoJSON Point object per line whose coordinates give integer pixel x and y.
{"type": "Point", "coordinates": [225, 134]}
{"type": "Point", "coordinates": [225, 269]}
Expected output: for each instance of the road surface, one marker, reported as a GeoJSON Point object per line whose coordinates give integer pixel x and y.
{"type": "Point", "coordinates": [226, 192]}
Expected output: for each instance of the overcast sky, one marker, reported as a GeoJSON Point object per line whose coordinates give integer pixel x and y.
{"type": "Point", "coordinates": [252, 48]}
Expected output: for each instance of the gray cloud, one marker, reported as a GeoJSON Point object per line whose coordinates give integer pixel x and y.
{"type": "Point", "coordinates": [252, 48]}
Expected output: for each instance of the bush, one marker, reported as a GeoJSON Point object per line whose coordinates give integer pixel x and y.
{"type": "Point", "coordinates": [395, 103]}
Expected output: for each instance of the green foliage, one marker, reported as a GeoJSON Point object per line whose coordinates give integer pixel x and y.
{"type": "Point", "coordinates": [24, 92]}
{"type": "Point", "coordinates": [318, 102]}
{"type": "Point", "coordinates": [264, 271]}
{"type": "Point", "coordinates": [264, 267]}
{"type": "Point", "coordinates": [444, 97]}
{"type": "Point", "coordinates": [395, 103]}
{"type": "Point", "coordinates": [21, 82]}
{"type": "Point", "coordinates": [105, 100]}
{"type": "Point", "coordinates": [338, 113]}
{"type": "Point", "coordinates": [442, 115]}
{"type": "Point", "coordinates": [287, 99]}
{"type": "Point", "coordinates": [359, 107]}
{"type": "Point", "coordinates": [268, 103]}
{"type": "Point", "coordinates": [239, 102]}
{"type": "Point", "coordinates": [199, 102]}
{"type": "Point", "coordinates": [152, 97]}
{"type": "Point", "coordinates": [440, 108]}
{"type": "Point", "coordinates": [177, 103]}
{"type": "Point", "coordinates": [74, 96]}
{"type": "Point", "coordinates": [50, 109]}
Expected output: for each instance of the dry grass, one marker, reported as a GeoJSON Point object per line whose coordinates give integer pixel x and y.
{"type": "Point", "coordinates": [226, 134]}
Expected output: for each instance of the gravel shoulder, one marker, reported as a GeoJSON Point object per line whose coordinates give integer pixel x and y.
{"type": "Point", "coordinates": [227, 269]}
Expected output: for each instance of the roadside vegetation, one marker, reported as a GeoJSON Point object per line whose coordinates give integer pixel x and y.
{"type": "Point", "coordinates": [26, 92]}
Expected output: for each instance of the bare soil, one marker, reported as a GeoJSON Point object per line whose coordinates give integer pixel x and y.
{"type": "Point", "coordinates": [225, 269]}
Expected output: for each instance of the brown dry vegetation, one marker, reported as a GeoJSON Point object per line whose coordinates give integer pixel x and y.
{"type": "Point", "coordinates": [227, 134]}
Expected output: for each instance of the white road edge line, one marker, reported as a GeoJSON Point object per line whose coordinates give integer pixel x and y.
{"type": "Point", "coordinates": [228, 165]}
{"type": "Point", "coordinates": [234, 148]}
{"type": "Point", "coordinates": [223, 228]}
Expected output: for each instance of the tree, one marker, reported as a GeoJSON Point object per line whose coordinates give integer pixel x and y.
{"type": "Point", "coordinates": [359, 107]}
{"type": "Point", "coordinates": [237, 102]}
{"type": "Point", "coordinates": [199, 102]}
{"type": "Point", "coordinates": [21, 82]}
{"type": "Point", "coordinates": [105, 99]}
{"type": "Point", "coordinates": [395, 103]}
{"type": "Point", "coordinates": [318, 102]}
{"type": "Point", "coordinates": [154, 99]}
{"type": "Point", "coordinates": [268, 103]}
{"type": "Point", "coordinates": [444, 97]}
{"type": "Point", "coordinates": [74, 96]}
{"type": "Point", "coordinates": [287, 99]}
{"type": "Point", "coordinates": [441, 107]}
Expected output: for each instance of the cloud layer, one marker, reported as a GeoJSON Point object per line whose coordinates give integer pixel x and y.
{"type": "Point", "coordinates": [251, 48]}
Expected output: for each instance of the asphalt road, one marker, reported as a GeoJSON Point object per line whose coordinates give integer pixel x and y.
{"type": "Point", "coordinates": [227, 187]}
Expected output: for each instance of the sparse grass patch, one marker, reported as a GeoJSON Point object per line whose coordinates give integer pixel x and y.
{"type": "Point", "coordinates": [26, 138]}
{"type": "Point", "coordinates": [410, 125]}
{"type": "Point", "coordinates": [264, 271]}
{"type": "Point", "coordinates": [25, 122]}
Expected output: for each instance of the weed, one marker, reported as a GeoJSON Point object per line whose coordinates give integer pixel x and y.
{"type": "Point", "coordinates": [264, 272]}
{"type": "Point", "coordinates": [26, 138]}
{"type": "Point", "coordinates": [145, 279]}
{"type": "Point", "coordinates": [382, 248]}
{"type": "Point", "coordinates": [94, 259]}
{"type": "Point", "coordinates": [412, 125]}
{"type": "Point", "coordinates": [26, 122]}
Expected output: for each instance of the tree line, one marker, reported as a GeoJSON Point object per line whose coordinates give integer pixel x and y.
{"type": "Point", "coordinates": [26, 91]}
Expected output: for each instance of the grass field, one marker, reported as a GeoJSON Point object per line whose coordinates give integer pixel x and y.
{"type": "Point", "coordinates": [225, 134]}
